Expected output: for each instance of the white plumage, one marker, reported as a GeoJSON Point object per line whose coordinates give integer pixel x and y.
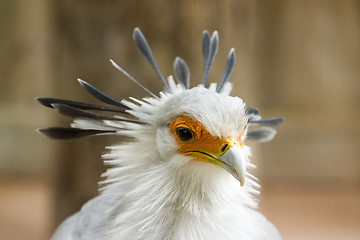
{"type": "Point", "coordinates": [179, 178]}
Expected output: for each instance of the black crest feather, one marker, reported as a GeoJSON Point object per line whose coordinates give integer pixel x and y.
{"type": "Point", "coordinates": [61, 133]}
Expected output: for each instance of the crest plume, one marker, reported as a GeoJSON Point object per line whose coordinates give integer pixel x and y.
{"type": "Point", "coordinates": [76, 109]}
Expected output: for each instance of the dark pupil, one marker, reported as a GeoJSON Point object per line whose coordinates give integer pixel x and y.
{"type": "Point", "coordinates": [184, 134]}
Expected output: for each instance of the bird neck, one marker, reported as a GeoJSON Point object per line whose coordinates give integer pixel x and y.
{"type": "Point", "coordinates": [156, 195]}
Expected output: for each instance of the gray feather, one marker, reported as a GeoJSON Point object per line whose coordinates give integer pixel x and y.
{"type": "Point", "coordinates": [230, 63]}
{"type": "Point", "coordinates": [61, 133]}
{"type": "Point", "coordinates": [209, 55]}
{"type": "Point", "coordinates": [145, 51]}
{"type": "Point", "coordinates": [263, 134]}
{"type": "Point", "coordinates": [131, 78]}
{"type": "Point", "coordinates": [252, 111]}
{"type": "Point", "coordinates": [182, 72]}
{"type": "Point", "coordinates": [214, 46]}
{"type": "Point", "coordinates": [253, 114]}
{"type": "Point", "coordinates": [267, 122]}
{"type": "Point", "coordinates": [75, 112]}
{"type": "Point", "coordinates": [205, 46]}
{"type": "Point", "coordinates": [85, 106]}
{"type": "Point", "coordinates": [100, 95]}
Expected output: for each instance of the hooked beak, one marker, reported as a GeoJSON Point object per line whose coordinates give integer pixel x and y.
{"type": "Point", "coordinates": [226, 153]}
{"type": "Point", "coordinates": [201, 145]}
{"type": "Point", "coordinates": [234, 161]}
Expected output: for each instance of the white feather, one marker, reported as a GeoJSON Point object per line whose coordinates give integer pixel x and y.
{"type": "Point", "coordinates": [152, 192]}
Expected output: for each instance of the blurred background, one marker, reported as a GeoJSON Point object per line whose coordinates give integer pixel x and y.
{"type": "Point", "coordinates": [297, 59]}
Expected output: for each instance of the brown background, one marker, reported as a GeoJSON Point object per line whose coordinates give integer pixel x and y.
{"type": "Point", "coordinates": [298, 59]}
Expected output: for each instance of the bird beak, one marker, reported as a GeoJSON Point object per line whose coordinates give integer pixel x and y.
{"type": "Point", "coordinates": [225, 152]}
{"type": "Point", "coordinates": [234, 161]}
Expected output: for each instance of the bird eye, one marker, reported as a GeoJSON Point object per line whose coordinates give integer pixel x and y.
{"type": "Point", "coordinates": [184, 134]}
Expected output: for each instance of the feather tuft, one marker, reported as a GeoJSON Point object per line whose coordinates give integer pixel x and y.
{"type": "Point", "coordinates": [48, 102]}
{"type": "Point", "coordinates": [263, 134]}
{"type": "Point", "coordinates": [131, 78]}
{"type": "Point", "coordinates": [230, 64]}
{"type": "Point", "coordinates": [144, 49]}
{"type": "Point", "coordinates": [60, 133]}
{"type": "Point", "coordinates": [182, 72]}
{"type": "Point", "coordinates": [100, 95]}
{"type": "Point", "coordinates": [210, 47]}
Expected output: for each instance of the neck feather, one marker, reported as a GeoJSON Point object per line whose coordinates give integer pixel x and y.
{"type": "Point", "coordinates": [154, 195]}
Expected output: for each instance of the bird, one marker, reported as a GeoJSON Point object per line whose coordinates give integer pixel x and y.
{"type": "Point", "coordinates": [185, 172]}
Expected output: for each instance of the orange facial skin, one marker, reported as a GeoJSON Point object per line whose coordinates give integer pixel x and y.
{"type": "Point", "coordinates": [202, 146]}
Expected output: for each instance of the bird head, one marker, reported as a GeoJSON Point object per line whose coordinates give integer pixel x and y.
{"type": "Point", "coordinates": [185, 126]}
{"type": "Point", "coordinates": [200, 125]}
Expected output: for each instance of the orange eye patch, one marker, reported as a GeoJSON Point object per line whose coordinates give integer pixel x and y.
{"type": "Point", "coordinates": [200, 142]}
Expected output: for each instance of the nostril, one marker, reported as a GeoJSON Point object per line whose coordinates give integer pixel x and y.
{"type": "Point", "coordinates": [223, 149]}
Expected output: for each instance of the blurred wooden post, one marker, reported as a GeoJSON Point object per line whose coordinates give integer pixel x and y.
{"type": "Point", "coordinates": [308, 57]}
{"type": "Point", "coordinates": [24, 75]}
